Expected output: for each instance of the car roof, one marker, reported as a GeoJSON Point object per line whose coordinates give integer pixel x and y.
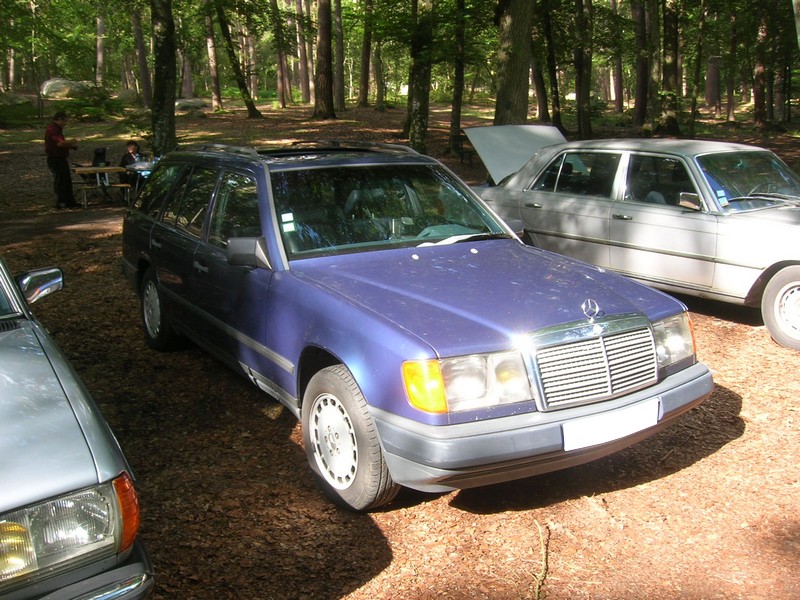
{"type": "Point", "coordinates": [505, 149]}
{"type": "Point", "coordinates": [686, 148]}
{"type": "Point", "coordinates": [302, 155]}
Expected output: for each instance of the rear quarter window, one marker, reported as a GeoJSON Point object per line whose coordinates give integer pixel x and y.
{"type": "Point", "coordinates": [157, 189]}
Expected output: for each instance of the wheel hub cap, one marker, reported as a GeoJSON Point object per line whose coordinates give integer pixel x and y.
{"type": "Point", "coordinates": [334, 440]}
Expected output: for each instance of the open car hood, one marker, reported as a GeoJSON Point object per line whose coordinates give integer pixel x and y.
{"type": "Point", "coordinates": [504, 149]}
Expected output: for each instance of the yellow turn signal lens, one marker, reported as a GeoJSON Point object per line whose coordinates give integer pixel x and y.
{"type": "Point", "coordinates": [16, 550]}
{"type": "Point", "coordinates": [424, 385]}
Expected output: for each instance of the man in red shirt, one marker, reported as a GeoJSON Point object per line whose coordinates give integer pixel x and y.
{"type": "Point", "coordinates": [57, 148]}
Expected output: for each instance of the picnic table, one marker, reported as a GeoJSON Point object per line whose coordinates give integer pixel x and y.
{"type": "Point", "coordinates": [101, 180]}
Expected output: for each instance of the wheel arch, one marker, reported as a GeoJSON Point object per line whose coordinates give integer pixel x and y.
{"type": "Point", "coordinates": [143, 264]}
{"type": "Point", "coordinates": [756, 292]}
{"type": "Point", "coordinates": [312, 360]}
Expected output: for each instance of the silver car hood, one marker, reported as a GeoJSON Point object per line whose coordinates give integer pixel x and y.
{"type": "Point", "coordinates": [504, 149]}
{"type": "Point", "coordinates": [43, 450]}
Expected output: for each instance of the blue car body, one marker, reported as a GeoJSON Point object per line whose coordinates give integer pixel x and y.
{"type": "Point", "coordinates": [285, 305]}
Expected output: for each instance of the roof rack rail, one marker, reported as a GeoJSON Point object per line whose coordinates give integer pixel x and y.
{"type": "Point", "coordinates": [238, 150]}
{"type": "Point", "coordinates": [345, 144]}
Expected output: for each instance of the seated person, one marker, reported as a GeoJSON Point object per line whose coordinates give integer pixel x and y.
{"type": "Point", "coordinates": [131, 156]}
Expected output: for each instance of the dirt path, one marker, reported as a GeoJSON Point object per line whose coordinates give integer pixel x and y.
{"type": "Point", "coordinates": [706, 509]}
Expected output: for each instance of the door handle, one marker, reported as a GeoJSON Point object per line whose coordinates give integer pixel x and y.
{"type": "Point", "coordinates": [620, 217]}
{"type": "Point", "coordinates": [200, 267]}
{"type": "Point", "coordinates": [155, 243]}
{"type": "Point", "coordinates": [532, 205]}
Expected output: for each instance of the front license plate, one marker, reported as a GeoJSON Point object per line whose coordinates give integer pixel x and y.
{"type": "Point", "coordinates": [610, 426]}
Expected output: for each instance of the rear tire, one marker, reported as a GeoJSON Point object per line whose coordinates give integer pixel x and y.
{"type": "Point", "coordinates": [342, 444]}
{"type": "Point", "coordinates": [157, 329]}
{"type": "Point", "coordinates": [780, 307]}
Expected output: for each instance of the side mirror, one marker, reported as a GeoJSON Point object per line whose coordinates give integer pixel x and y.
{"type": "Point", "coordinates": [691, 201]}
{"type": "Point", "coordinates": [248, 252]}
{"type": "Point", "coordinates": [35, 285]}
{"type": "Point", "coordinates": [517, 226]}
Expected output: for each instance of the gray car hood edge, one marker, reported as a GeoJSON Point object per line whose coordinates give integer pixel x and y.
{"type": "Point", "coordinates": [504, 149]}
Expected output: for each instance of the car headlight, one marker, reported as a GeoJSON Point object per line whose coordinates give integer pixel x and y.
{"type": "Point", "coordinates": [674, 339]}
{"type": "Point", "coordinates": [61, 534]}
{"type": "Point", "coordinates": [467, 382]}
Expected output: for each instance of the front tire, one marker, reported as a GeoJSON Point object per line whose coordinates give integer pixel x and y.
{"type": "Point", "coordinates": [342, 444]}
{"type": "Point", "coordinates": [158, 331]}
{"type": "Point", "coordinates": [780, 307]}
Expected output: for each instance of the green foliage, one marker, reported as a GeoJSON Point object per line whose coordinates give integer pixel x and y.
{"type": "Point", "coordinates": [15, 113]}
{"type": "Point", "coordinates": [93, 104]}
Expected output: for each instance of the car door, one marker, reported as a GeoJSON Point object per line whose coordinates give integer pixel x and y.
{"type": "Point", "coordinates": [232, 298]}
{"type": "Point", "coordinates": [652, 237]}
{"type": "Point", "coordinates": [174, 240]}
{"type": "Point", "coordinates": [566, 209]}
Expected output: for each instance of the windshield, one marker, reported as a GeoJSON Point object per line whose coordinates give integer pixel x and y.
{"type": "Point", "coordinates": [747, 180]}
{"type": "Point", "coordinates": [6, 305]}
{"type": "Point", "coordinates": [362, 208]}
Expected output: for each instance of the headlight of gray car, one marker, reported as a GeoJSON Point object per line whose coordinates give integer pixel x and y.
{"type": "Point", "coordinates": [674, 339]}
{"type": "Point", "coordinates": [64, 533]}
{"type": "Point", "coordinates": [467, 382]}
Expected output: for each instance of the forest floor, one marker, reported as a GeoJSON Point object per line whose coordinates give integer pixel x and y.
{"type": "Point", "coordinates": [705, 509]}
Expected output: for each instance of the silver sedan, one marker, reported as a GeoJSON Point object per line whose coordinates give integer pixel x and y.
{"type": "Point", "coordinates": [69, 514]}
{"type": "Point", "coordinates": [703, 218]}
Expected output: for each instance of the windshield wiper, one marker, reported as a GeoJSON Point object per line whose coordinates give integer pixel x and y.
{"type": "Point", "coordinates": [468, 237]}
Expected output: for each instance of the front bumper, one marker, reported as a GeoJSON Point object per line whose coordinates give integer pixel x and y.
{"type": "Point", "coordinates": [131, 580]}
{"type": "Point", "coordinates": [444, 458]}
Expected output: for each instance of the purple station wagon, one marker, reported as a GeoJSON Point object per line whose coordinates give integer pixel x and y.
{"type": "Point", "coordinates": [419, 341]}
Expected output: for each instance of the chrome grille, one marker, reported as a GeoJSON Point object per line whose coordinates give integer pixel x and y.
{"type": "Point", "coordinates": [597, 369]}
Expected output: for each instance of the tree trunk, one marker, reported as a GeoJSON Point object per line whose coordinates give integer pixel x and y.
{"type": "Point", "coordinates": [187, 81]}
{"type": "Point", "coordinates": [796, 9]}
{"type": "Point", "coordinates": [583, 67]}
{"type": "Point", "coordinates": [422, 60]}
{"type": "Point", "coordinates": [100, 55]}
{"type": "Point", "coordinates": [552, 72]}
{"type": "Point", "coordinates": [619, 93]}
{"type": "Point", "coordinates": [668, 123]}
{"type": "Point", "coordinates": [458, 76]}
{"type": "Point", "coordinates": [731, 73]}
{"type": "Point", "coordinates": [310, 41]}
{"type": "Point", "coordinates": [377, 75]}
{"type": "Point", "coordinates": [701, 40]}
{"type": "Point", "coordinates": [323, 80]}
{"type": "Point", "coordinates": [305, 89]}
{"type": "Point", "coordinates": [514, 60]}
{"type": "Point", "coordinates": [640, 101]}
{"type": "Point", "coordinates": [366, 49]}
{"type": "Point", "coordinates": [251, 63]}
{"type": "Point", "coordinates": [163, 105]}
{"type": "Point", "coordinates": [211, 48]}
{"type": "Point", "coordinates": [760, 77]}
{"type": "Point", "coordinates": [713, 91]}
{"type": "Point", "coordinates": [12, 70]}
{"type": "Point", "coordinates": [252, 111]}
{"type": "Point", "coordinates": [654, 56]}
{"type": "Point", "coordinates": [141, 58]}
{"type": "Point", "coordinates": [338, 66]}
{"type": "Point", "coordinates": [540, 87]}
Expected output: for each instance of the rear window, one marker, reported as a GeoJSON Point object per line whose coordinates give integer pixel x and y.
{"type": "Point", "coordinates": [157, 189]}
{"type": "Point", "coordinates": [580, 173]}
